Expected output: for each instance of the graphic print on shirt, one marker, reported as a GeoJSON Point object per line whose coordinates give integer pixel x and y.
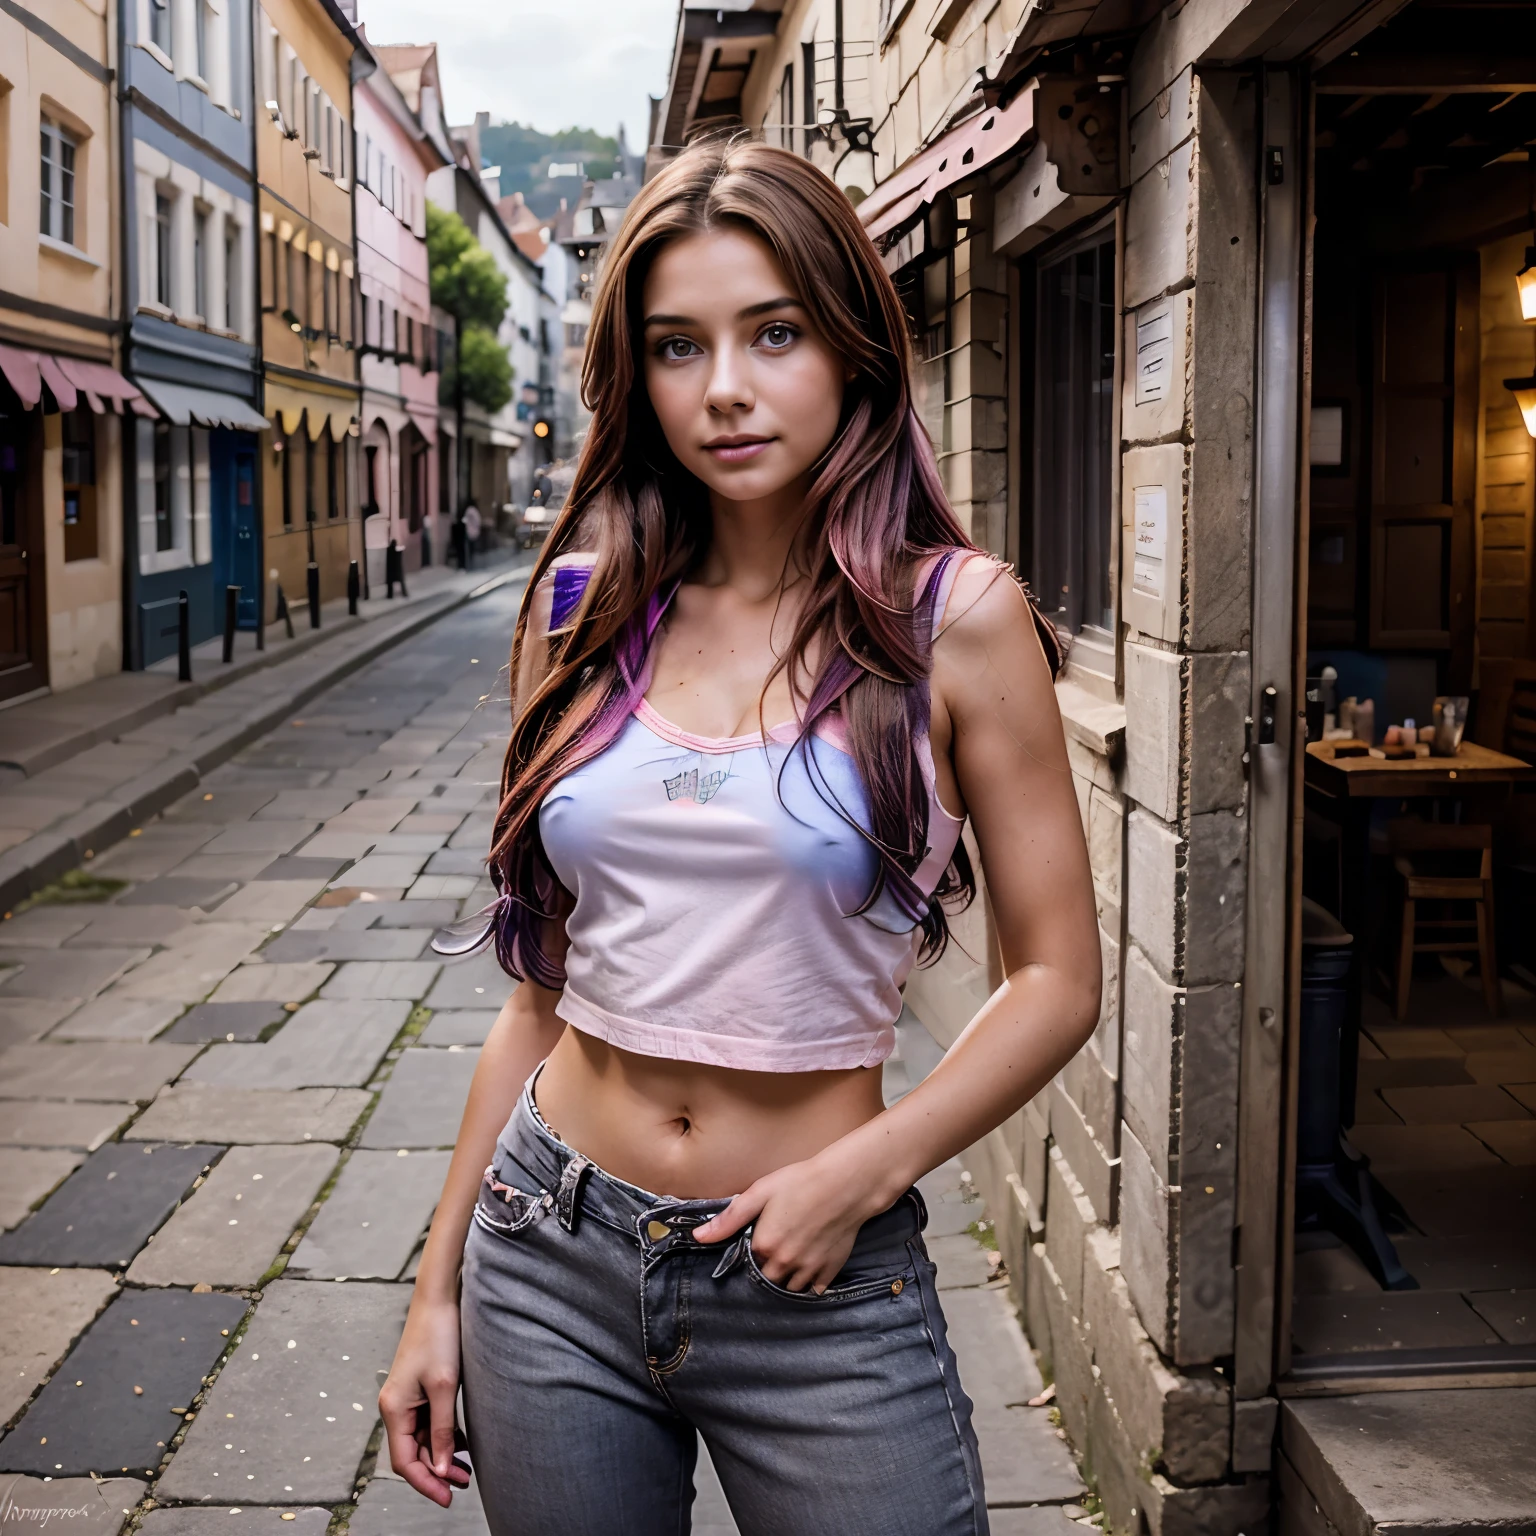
{"type": "Point", "coordinates": [688, 785]}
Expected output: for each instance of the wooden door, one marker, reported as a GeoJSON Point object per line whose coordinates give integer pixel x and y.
{"type": "Point", "coordinates": [23, 613]}
{"type": "Point", "coordinates": [1424, 416]}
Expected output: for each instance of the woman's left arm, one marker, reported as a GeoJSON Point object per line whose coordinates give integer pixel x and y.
{"type": "Point", "coordinates": [1010, 761]}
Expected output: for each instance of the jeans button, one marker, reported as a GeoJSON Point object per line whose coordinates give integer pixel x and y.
{"type": "Point", "coordinates": [656, 1230]}
{"type": "Point", "coordinates": [896, 1286]}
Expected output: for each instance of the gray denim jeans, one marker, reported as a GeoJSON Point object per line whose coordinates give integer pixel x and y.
{"type": "Point", "coordinates": [599, 1338]}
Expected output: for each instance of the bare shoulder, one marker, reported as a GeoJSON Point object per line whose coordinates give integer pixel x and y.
{"type": "Point", "coordinates": [988, 649]}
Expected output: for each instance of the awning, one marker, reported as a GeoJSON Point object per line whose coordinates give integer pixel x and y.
{"type": "Point", "coordinates": [185, 405]}
{"type": "Point", "coordinates": [68, 378]}
{"type": "Point", "coordinates": [425, 417]}
{"type": "Point", "coordinates": [576, 312]}
{"type": "Point", "coordinates": [964, 150]}
{"type": "Point", "coordinates": [504, 439]}
{"type": "Point", "coordinates": [290, 406]}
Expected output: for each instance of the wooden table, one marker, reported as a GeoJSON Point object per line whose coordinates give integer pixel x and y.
{"type": "Point", "coordinates": [1345, 789]}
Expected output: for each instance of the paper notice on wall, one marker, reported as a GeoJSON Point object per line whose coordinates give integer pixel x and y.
{"type": "Point", "coordinates": [1151, 529]}
{"type": "Point", "coordinates": [1154, 355]}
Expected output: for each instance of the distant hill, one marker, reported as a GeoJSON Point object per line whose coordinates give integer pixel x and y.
{"type": "Point", "coordinates": [525, 156]}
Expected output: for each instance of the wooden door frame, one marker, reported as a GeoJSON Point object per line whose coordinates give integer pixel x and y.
{"type": "Point", "coordinates": [34, 533]}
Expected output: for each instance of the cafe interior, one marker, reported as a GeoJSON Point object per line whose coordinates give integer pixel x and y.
{"type": "Point", "coordinates": [1415, 1180]}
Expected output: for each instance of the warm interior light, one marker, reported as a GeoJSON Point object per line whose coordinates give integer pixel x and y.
{"type": "Point", "coordinates": [1524, 391]}
{"type": "Point", "coordinates": [1525, 281]}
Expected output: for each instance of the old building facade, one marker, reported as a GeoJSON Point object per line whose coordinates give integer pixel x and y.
{"type": "Point", "coordinates": [64, 406]}
{"type": "Point", "coordinates": [1101, 219]}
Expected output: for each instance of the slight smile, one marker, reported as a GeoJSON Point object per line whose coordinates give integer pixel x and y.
{"type": "Point", "coordinates": [737, 450]}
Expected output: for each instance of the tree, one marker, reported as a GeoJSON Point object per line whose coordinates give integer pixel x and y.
{"type": "Point", "coordinates": [487, 368]}
{"type": "Point", "coordinates": [468, 284]}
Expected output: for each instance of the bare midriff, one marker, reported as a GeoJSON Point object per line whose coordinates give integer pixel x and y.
{"type": "Point", "coordinates": [693, 1131]}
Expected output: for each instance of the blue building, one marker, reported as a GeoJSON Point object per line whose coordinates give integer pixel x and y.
{"type": "Point", "coordinates": [192, 497]}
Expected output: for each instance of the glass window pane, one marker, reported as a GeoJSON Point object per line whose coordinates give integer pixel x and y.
{"type": "Point", "coordinates": [45, 219]}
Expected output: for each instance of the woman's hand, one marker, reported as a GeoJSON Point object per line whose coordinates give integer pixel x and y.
{"type": "Point", "coordinates": [804, 1217]}
{"type": "Point", "coordinates": [417, 1401]}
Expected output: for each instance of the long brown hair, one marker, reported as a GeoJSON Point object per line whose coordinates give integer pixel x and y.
{"type": "Point", "coordinates": [875, 510]}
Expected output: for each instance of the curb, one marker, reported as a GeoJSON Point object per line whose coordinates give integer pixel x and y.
{"type": "Point", "coordinates": [49, 854]}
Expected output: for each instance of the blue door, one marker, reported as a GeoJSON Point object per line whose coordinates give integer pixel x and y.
{"type": "Point", "coordinates": [246, 556]}
{"type": "Point", "coordinates": [236, 555]}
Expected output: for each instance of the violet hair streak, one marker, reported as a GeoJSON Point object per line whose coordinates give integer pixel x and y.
{"type": "Point", "coordinates": [876, 516]}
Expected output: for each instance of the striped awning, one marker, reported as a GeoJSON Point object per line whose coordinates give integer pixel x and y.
{"type": "Point", "coordinates": [70, 381]}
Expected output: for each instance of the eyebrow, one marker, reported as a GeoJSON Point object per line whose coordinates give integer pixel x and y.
{"type": "Point", "coordinates": [785, 302]}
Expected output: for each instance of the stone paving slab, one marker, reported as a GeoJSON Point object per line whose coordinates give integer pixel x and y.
{"type": "Point", "coordinates": [250, 1115]}
{"type": "Point", "coordinates": [381, 979]}
{"type": "Point", "coordinates": [324, 1045]}
{"type": "Point", "coordinates": [238, 1520]}
{"type": "Point", "coordinates": [441, 887]}
{"type": "Point", "coordinates": [131, 926]}
{"type": "Point", "coordinates": [113, 1017]}
{"type": "Point", "coordinates": [28, 1018]}
{"type": "Point", "coordinates": [271, 901]}
{"type": "Point", "coordinates": [293, 866]}
{"type": "Point", "coordinates": [107, 1070]}
{"type": "Point", "coordinates": [45, 927]}
{"type": "Point", "coordinates": [391, 1507]}
{"type": "Point", "coordinates": [54, 973]}
{"type": "Point", "coordinates": [106, 1211]}
{"type": "Point", "coordinates": [156, 852]}
{"type": "Point", "coordinates": [423, 1101]}
{"type": "Point", "coordinates": [178, 891]}
{"type": "Point", "coordinates": [409, 842]}
{"type": "Point", "coordinates": [42, 1312]}
{"type": "Point", "coordinates": [162, 1342]}
{"type": "Point", "coordinates": [1512, 1313]}
{"type": "Point", "coordinates": [478, 982]}
{"type": "Point", "coordinates": [395, 869]}
{"type": "Point", "coordinates": [195, 963]}
{"type": "Point", "coordinates": [42, 1123]}
{"type": "Point", "coordinates": [299, 805]}
{"type": "Point", "coordinates": [33, 1506]}
{"type": "Point", "coordinates": [223, 866]}
{"type": "Point", "coordinates": [1331, 1325]}
{"type": "Point", "coordinates": [229, 1231]}
{"type": "Point", "coordinates": [458, 1026]}
{"type": "Point", "coordinates": [266, 836]}
{"type": "Point", "coordinates": [221, 806]}
{"type": "Point", "coordinates": [259, 983]}
{"type": "Point", "coordinates": [369, 1226]}
{"type": "Point", "coordinates": [225, 1021]}
{"type": "Point", "coordinates": [349, 944]}
{"type": "Point", "coordinates": [457, 861]}
{"type": "Point", "coordinates": [328, 844]}
{"type": "Point", "coordinates": [1034, 1520]}
{"type": "Point", "coordinates": [27, 1174]}
{"type": "Point", "coordinates": [297, 1419]}
{"type": "Point", "coordinates": [397, 914]}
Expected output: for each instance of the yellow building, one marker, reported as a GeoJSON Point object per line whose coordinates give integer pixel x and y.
{"type": "Point", "coordinates": [304, 54]}
{"type": "Point", "coordinates": [60, 390]}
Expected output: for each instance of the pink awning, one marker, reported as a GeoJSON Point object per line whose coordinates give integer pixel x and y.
{"type": "Point", "coordinates": [67, 379]}
{"type": "Point", "coordinates": [964, 150]}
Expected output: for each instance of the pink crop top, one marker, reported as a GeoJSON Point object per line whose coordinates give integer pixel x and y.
{"type": "Point", "coordinates": [712, 883]}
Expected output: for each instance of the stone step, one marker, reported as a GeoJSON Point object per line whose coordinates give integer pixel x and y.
{"type": "Point", "coordinates": [1441, 1462]}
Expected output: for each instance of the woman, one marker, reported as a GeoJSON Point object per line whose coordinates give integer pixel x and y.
{"type": "Point", "coordinates": [761, 677]}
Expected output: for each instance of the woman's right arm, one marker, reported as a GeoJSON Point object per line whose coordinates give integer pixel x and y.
{"type": "Point", "coordinates": [417, 1400]}
{"type": "Point", "coordinates": [425, 1373]}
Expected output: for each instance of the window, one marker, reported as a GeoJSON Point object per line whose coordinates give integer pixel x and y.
{"type": "Point", "coordinates": [231, 315]}
{"type": "Point", "coordinates": [270, 275]}
{"type": "Point", "coordinates": [807, 95]}
{"type": "Point", "coordinates": [165, 531]}
{"type": "Point", "coordinates": [371, 478]}
{"type": "Point", "coordinates": [79, 465]}
{"type": "Point", "coordinates": [282, 452]}
{"type": "Point", "coordinates": [313, 491]}
{"type": "Point", "coordinates": [332, 475]}
{"type": "Point", "coordinates": [57, 213]}
{"type": "Point", "coordinates": [1074, 454]}
{"type": "Point", "coordinates": [160, 25]}
{"type": "Point", "coordinates": [162, 249]}
{"type": "Point", "coordinates": [200, 262]}
{"type": "Point", "coordinates": [787, 108]}
{"type": "Point", "coordinates": [200, 36]}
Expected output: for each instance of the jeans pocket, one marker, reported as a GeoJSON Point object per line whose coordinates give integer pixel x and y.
{"type": "Point", "coordinates": [887, 1272]}
{"type": "Point", "coordinates": [504, 1210]}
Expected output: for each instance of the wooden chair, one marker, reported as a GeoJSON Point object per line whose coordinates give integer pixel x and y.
{"type": "Point", "coordinates": [1437, 875]}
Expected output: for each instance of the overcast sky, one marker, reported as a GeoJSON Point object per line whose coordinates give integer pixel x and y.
{"type": "Point", "coordinates": [553, 63]}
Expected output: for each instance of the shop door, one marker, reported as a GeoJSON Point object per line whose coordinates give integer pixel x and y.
{"type": "Point", "coordinates": [245, 555]}
{"type": "Point", "coordinates": [23, 651]}
{"type": "Point", "coordinates": [1424, 475]}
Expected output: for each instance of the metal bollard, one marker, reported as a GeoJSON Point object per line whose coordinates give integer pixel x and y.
{"type": "Point", "coordinates": [354, 587]}
{"type": "Point", "coordinates": [400, 567]}
{"type": "Point", "coordinates": [312, 580]}
{"type": "Point", "coordinates": [281, 611]}
{"type": "Point", "coordinates": [231, 619]}
{"type": "Point", "coordinates": [391, 560]}
{"type": "Point", "coordinates": [183, 637]}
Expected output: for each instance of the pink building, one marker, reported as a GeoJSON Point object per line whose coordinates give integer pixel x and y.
{"type": "Point", "coordinates": [396, 338]}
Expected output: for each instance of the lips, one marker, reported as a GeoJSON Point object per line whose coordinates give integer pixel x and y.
{"type": "Point", "coordinates": [739, 449]}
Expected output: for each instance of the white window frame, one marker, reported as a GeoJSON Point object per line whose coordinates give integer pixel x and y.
{"type": "Point", "coordinates": [58, 215]}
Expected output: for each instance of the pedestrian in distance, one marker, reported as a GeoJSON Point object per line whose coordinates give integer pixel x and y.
{"type": "Point", "coordinates": [472, 527]}
{"type": "Point", "coordinates": [761, 678]}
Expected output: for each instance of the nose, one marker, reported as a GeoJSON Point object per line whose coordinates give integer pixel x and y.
{"type": "Point", "coordinates": [730, 384]}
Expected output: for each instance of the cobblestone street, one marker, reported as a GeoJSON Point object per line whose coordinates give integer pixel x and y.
{"type": "Point", "coordinates": [230, 1083]}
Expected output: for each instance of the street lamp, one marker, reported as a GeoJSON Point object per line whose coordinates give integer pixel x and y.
{"type": "Point", "coordinates": [1525, 282]}
{"type": "Point", "coordinates": [1524, 391]}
